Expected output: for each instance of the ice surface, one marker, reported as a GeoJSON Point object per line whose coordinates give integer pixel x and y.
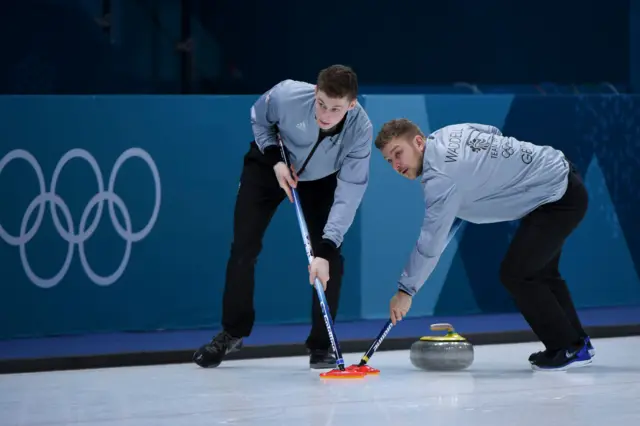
{"type": "Point", "coordinates": [498, 389]}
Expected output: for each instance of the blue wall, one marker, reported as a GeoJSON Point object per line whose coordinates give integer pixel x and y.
{"type": "Point", "coordinates": [174, 275]}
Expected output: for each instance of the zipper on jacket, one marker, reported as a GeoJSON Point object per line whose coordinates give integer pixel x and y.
{"type": "Point", "coordinates": [336, 131]}
{"type": "Point", "coordinates": [313, 150]}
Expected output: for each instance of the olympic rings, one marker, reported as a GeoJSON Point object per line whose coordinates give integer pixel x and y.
{"type": "Point", "coordinates": [84, 232]}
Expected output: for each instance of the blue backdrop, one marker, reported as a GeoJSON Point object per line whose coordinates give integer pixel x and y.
{"type": "Point", "coordinates": [174, 261]}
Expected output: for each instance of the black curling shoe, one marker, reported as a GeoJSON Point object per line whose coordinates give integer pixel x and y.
{"type": "Point", "coordinates": [321, 359]}
{"type": "Point", "coordinates": [535, 357]}
{"type": "Point", "coordinates": [212, 354]}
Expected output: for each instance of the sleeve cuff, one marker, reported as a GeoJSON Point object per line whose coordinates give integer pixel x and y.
{"type": "Point", "coordinates": [326, 249]}
{"type": "Point", "coordinates": [405, 291]}
{"type": "Point", "coordinates": [272, 155]}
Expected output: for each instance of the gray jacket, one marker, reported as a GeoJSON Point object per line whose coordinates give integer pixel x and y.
{"type": "Point", "coordinates": [289, 109]}
{"type": "Point", "coordinates": [473, 172]}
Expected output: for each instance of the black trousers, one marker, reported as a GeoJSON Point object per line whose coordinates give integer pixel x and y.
{"type": "Point", "coordinates": [258, 198]}
{"type": "Point", "coordinates": [530, 270]}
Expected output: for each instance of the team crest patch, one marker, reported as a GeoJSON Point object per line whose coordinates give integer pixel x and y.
{"type": "Point", "coordinates": [477, 144]}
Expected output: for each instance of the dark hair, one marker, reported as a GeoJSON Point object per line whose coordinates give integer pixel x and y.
{"type": "Point", "coordinates": [398, 128]}
{"type": "Point", "coordinates": [338, 81]}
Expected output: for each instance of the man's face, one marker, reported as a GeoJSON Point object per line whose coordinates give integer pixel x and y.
{"type": "Point", "coordinates": [330, 111]}
{"type": "Point", "coordinates": [405, 155]}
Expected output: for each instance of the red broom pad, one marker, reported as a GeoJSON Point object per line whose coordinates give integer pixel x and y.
{"type": "Point", "coordinates": [363, 369]}
{"type": "Point", "coordinates": [336, 373]}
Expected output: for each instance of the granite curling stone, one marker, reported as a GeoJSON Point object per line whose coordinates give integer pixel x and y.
{"type": "Point", "coordinates": [450, 352]}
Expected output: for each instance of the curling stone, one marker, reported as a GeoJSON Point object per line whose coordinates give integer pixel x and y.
{"type": "Point", "coordinates": [450, 352]}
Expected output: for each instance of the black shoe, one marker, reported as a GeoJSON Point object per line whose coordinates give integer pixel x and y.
{"type": "Point", "coordinates": [563, 359]}
{"type": "Point", "coordinates": [540, 355]}
{"type": "Point", "coordinates": [550, 353]}
{"type": "Point", "coordinates": [211, 354]}
{"type": "Point", "coordinates": [321, 359]}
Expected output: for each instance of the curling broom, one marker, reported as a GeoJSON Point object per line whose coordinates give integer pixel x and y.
{"type": "Point", "coordinates": [362, 366]}
{"type": "Point", "coordinates": [341, 372]}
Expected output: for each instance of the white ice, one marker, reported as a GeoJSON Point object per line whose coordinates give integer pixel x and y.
{"type": "Point", "coordinates": [498, 389]}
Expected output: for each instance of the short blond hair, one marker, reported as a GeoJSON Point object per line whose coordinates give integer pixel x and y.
{"type": "Point", "coordinates": [398, 128]}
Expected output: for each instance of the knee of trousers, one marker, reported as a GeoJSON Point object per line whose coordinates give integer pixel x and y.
{"type": "Point", "coordinates": [510, 277]}
{"type": "Point", "coordinates": [244, 255]}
